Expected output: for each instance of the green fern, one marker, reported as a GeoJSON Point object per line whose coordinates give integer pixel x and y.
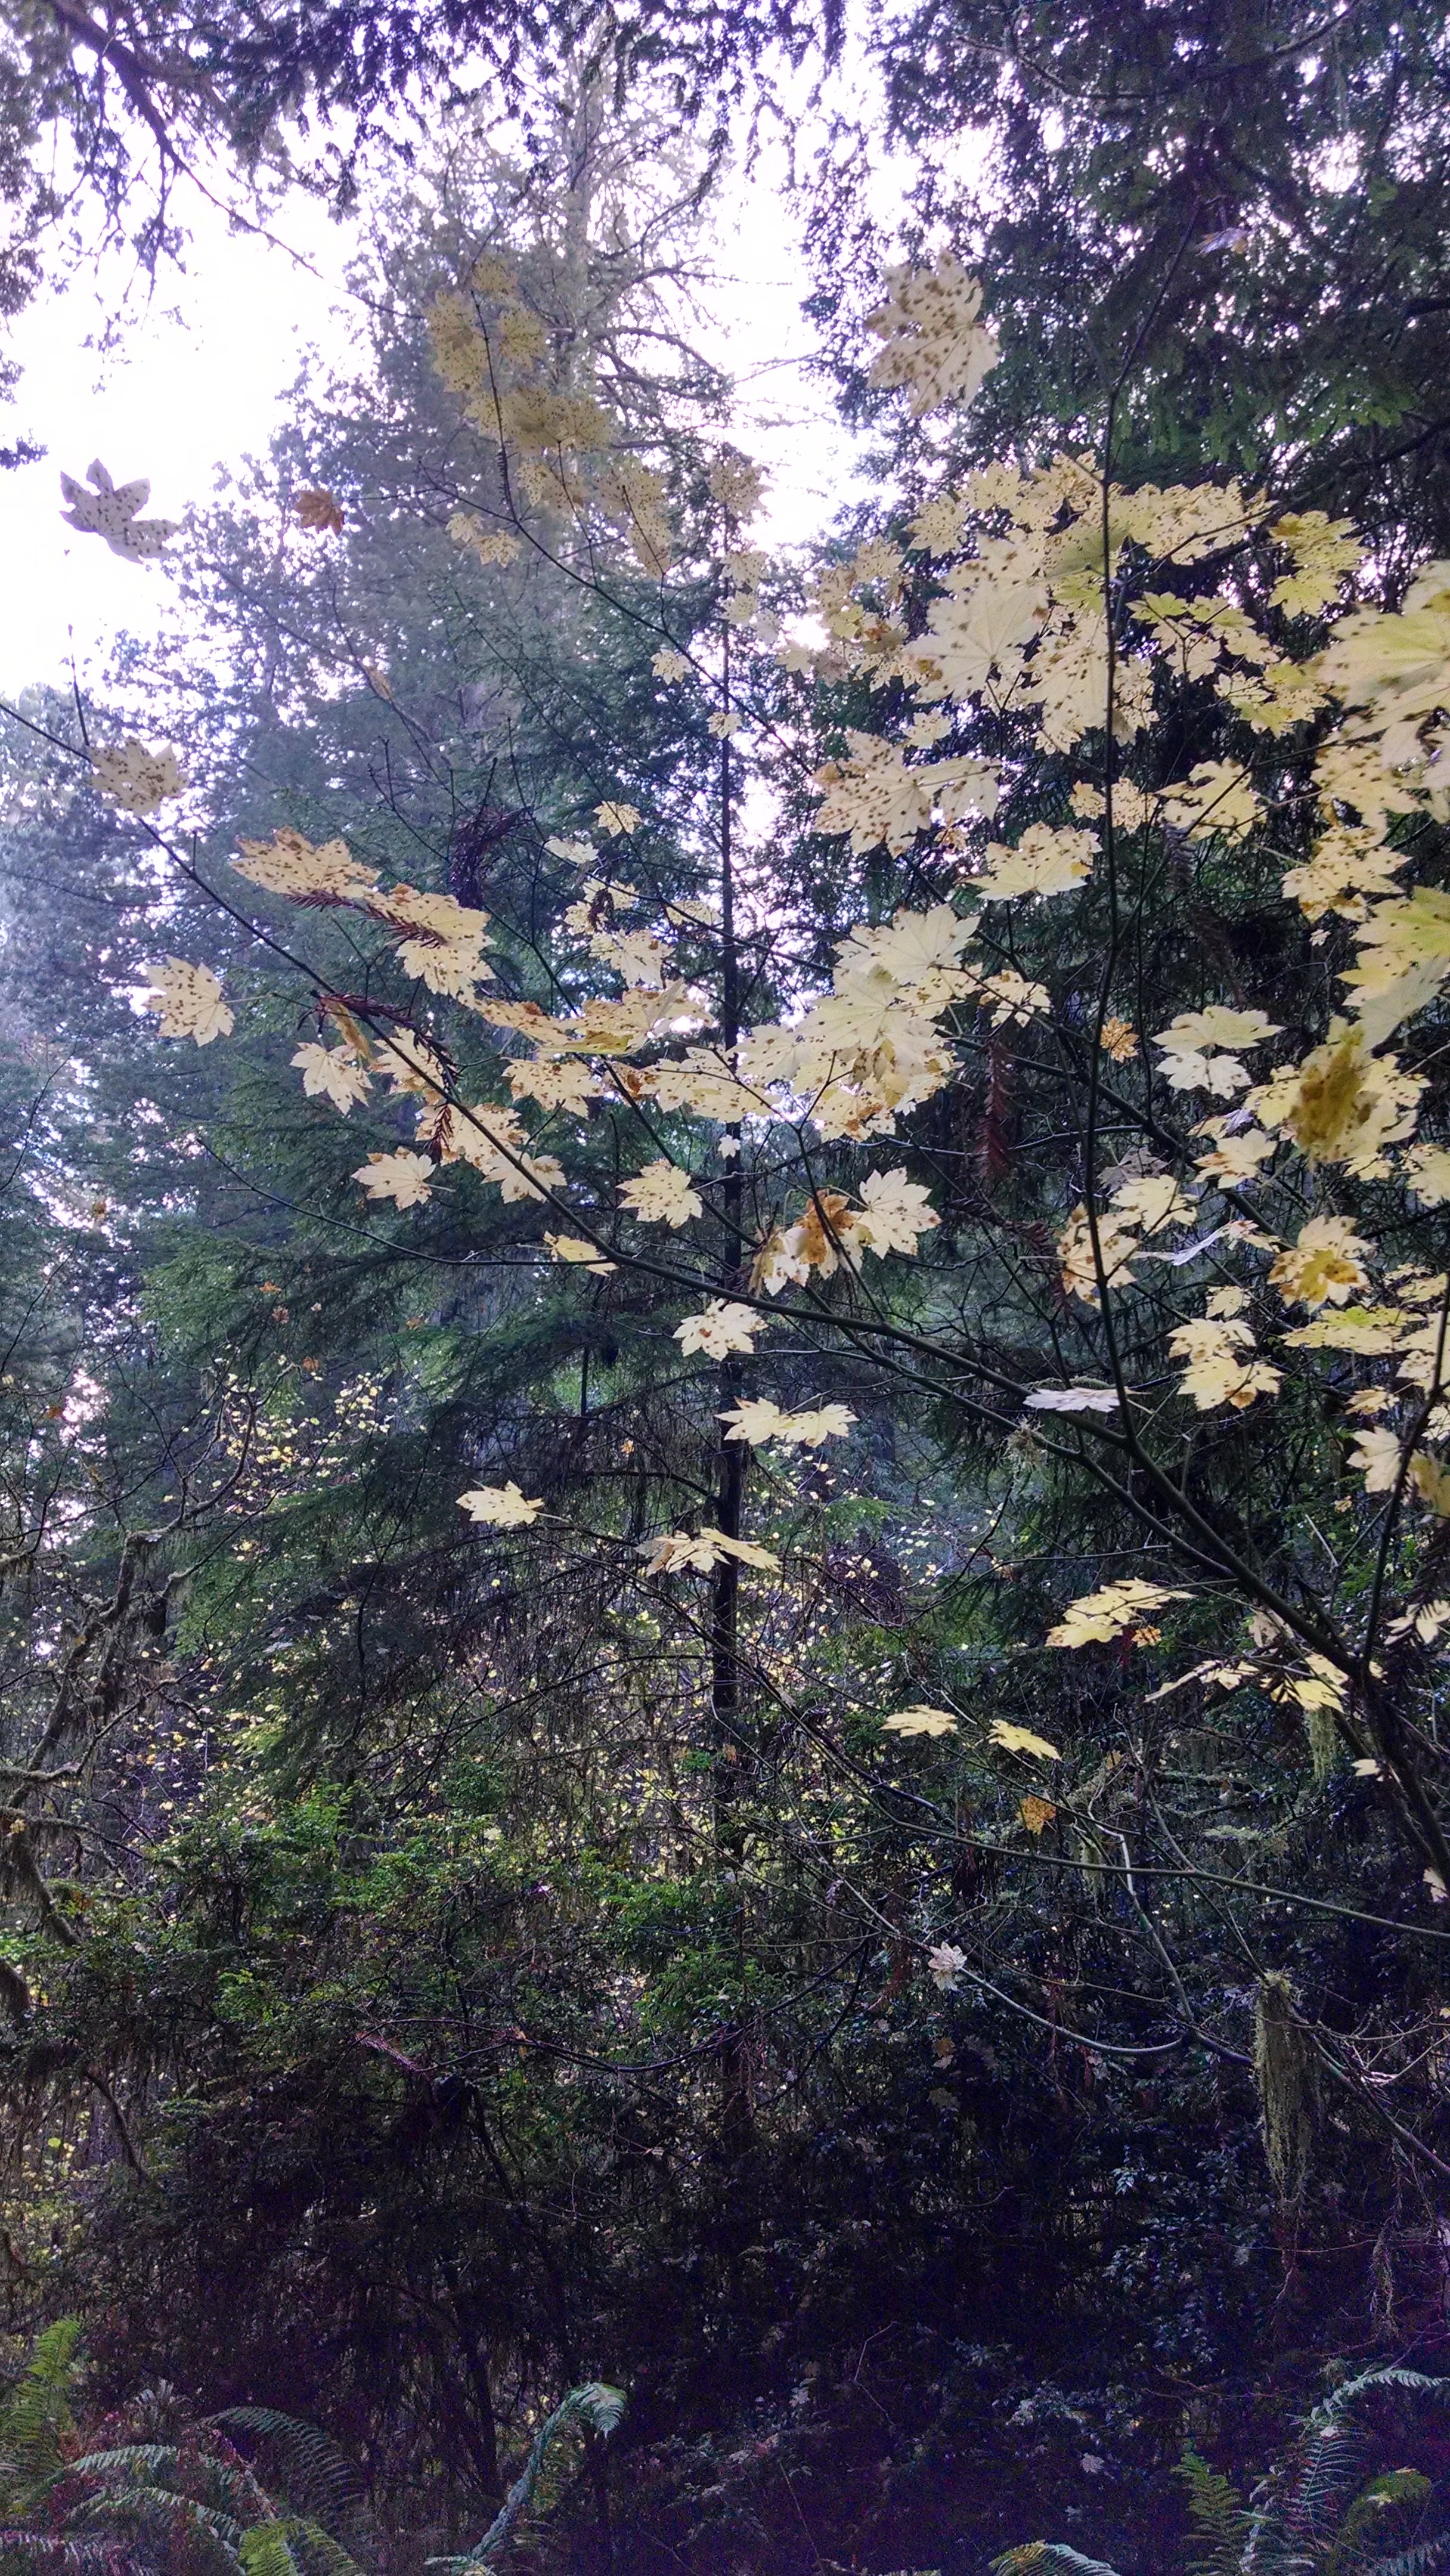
{"type": "Point", "coordinates": [264, 2551]}
{"type": "Point", "coordinates": [131, 2507]}
{"type": "Point", "coordinates": [320, 2482]}
{"type": "Point", "coordinates": [1048, 2553]}
{"type": "Point", "coordinates": [36, 2419]}
{"type": "Point", "coordinates": [1221, 2520]}
{"type": "Point", "coordinates": [601, 2406]}
{"type": "Point", "coordinates": [1314, 2514]}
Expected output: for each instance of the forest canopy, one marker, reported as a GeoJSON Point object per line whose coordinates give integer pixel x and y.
{"type": "Point", "coordinates": [725, 1396]}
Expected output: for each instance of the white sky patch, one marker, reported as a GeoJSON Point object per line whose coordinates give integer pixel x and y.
{"type": "Point", "coordinates": [201, 382]}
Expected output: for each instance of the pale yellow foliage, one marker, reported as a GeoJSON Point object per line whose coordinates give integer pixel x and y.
{"type": "Point", "coordinates": [1325, 553]}
{"type": "Point", "coordinates": [922, 1720]}
{"type": "Point", "coordinates": [613, 819]}
{"type": "Point", "coordinates": [403, 1177]}
{"type": "Point", "coordinates": [1325, 1266]}
{"type": "Point", "coordinates": [489, 545]}
{"type": "Point", "coordinates": [1048, 859]}
{"type": "Point", "coordinates": [1431, 1480]}
{"type": "Point", "coordinates": [678, 1552]}
{"type": "Point", "coordinates": [1192, 1047]}
{"type": "Point", "coordinates": [500, 1506]}
{"type": "Point", "coordinates": [289, 865]}
{"type": "Point", "coordinates": [1011, 1738]}
{"type": "Point", "coordinates": [577, 1250]}
{"type": "Point", "coordinates": [1368, 1331]}
{"type": "Point", "coordinates": [880, 801]}
{"type": "Point", "coordinates": [1218, 1369]}
{"type": "Point", "coordinates": [1377, 1455]}
{"type": "Point", "coordinates": [189, 999]}
{"type": "Point", "coordinates": [1342, 1104]}
{"type": "Point", "coordinates": [661, 1195]}
{"type": "Point", "coordinates": [1349, 863]}
{"type": "Point", "coordinates": [722, 1326]}
{"type": "Point", "coordinates": [755, 1419]}
{"type": "Point", "coordinates": [138, 780]}
{"type": "Point", "coordinates": [933, 343]}
{"type": "Point", "coordinates": [1216, 799]}
{"type": "Point", "coordinates": [332, 1073]}
{"type": "Point", "coordinates": [1099, 1617]}
{"type": "Point", "coordinates": [567, 1084]}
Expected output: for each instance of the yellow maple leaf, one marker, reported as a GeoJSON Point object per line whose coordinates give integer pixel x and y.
{"type": "Point", "coordinates": [1011, 1738]}
{"type": "Point", "coordinates": [1099, 1617]}
{"type": "Point", "coordinates": [500, 1506]}
{"type": "Point", "coordinates": [1325, 1266]}
{"type": "Point", "coordinates": [921, 1721]}
{"type": "Point", "coordinates": [189, 999]}
{"type": "Point", "coordinates": [1218, 1369]}
{"type": "Point", "coordinates": [1431, 1478]}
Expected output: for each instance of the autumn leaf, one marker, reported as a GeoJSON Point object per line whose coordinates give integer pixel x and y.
{"type": "Point", "coordinates": [1036, 1813]}
{"type": "Point", "coordinates": [1216, 799]}
{"type": "Point", "coordinates": [1342, 1104]}
{"type": "Point", "coordinates": [1117, 1040]}
{"type": "Point", "coordinates": [1377, 1454]}
{"type": "Point", "coordinates": [894, 1212]}
{"type": "Point", "coordinates": [319, 509]}
{"type": "Point", "coordinates": [290, 865]}
{"type": "Point", "coordinates": [758, 1420]}
{"type": "Point", "coordinates": [1218, 1368]}
{"type": "Point", "coordinates": [189, 999]}
{"type": "Point", "coordinates": [490, 545]}
{"type": "Point", "coordinates": [678, 1551]}
{"type": "Point", "coordinates": [403, 1177]}
{"type": "Point", "coordinates": [933, 343]}
{"type": "Point", "coordinates": [1431, 1480]}
{"type": "Point", "coordinates": [661, 1195]}
{"type": "Point", "coordinates": [721, 1328]}
{"type": "Point", "coordinates": [1325, 1266]}
{"type": "Point", "coordinates": [333, 1073]}
{"type": "Point", "coordinates": [1193, 1044]}
{"type": "Point", "coordinates": [612, 819]}
{"type": "Point", "coordinates": [1048, 859]}
{"type": "Point", "coordinates": [921, 1721]}
{"type": "Point", "coordinates": [576, 1249]}
{"type": "Point", "coordinates": [1020, 1739]}
{"type": "Point", "coordinates": [1100, 1617]}
{"type": "Point", "coordinates": [109, 511]}
{"type": "Point", "coordinates": [1369, 1331]}
{"type": "Point", "coordinates": [138, 780]}
{"type": "Point", "coordinates": [500, 1506]}
{"type": "Point", "coordinates": [1071, 1399]}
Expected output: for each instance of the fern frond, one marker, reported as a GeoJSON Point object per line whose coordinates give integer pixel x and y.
{"type": "Point", "coordinates": [1387, 2374]}
{"type": "Point", "coordinates": [1048, 2553]}
{"type": "Point", "coordinates": [36, 2418]}
{"type": "Point", "coordinates": [601, 2406]}
{"type": "Point", "coordinates": [26, 2549]}
{"type": "Point", "coordinates": [318, 2478]}
{"type": "Point", "coordinates": [1221, 2520]}
{"type": "Point", "coordinates": [1410, 2562]}
{"type": "Point", "coordinates": [264, 2551]}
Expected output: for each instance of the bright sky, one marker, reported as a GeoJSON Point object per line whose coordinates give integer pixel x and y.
{"type": "Point", "coordinates": [188, 394]}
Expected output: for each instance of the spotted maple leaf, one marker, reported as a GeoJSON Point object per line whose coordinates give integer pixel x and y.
{"type": "Point", "coordinates": [109, 511]}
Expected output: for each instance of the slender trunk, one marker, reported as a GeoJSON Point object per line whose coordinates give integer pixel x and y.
{"type": "Point", "coordinates": [731, 1769]}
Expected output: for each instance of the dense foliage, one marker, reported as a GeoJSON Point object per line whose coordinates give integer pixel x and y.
{"type": "Point", "coordinates": [725, 1478]}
